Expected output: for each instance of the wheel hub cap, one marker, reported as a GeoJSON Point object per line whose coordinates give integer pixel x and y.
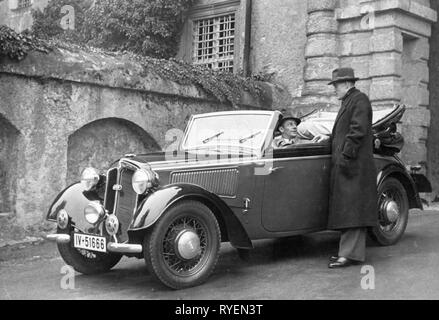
{"type": "Point", "coordinates": [188, 244]}
{"type": "Point", "coordinates": [391, 211]}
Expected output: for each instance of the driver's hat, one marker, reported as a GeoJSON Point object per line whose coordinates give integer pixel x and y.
{"type": "Point", "coordinates": [284, 119]}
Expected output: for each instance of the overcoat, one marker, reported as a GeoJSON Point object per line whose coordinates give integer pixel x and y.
{"type": "Point", "coordinates": [353, 184]}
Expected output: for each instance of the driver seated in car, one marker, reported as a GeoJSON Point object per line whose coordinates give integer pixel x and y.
{"type": "Point", "coordinates": [288, 133]}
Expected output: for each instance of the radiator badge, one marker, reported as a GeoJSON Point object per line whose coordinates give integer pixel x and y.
{"type": "Point", "coordinates": [117, 187]}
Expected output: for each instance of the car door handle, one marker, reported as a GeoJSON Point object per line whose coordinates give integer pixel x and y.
{"type": "Point", "coordinates": [275, 169]}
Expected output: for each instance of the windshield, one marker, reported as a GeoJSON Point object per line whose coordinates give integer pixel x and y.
{"type": "Point", "coordinates": [244, 131]}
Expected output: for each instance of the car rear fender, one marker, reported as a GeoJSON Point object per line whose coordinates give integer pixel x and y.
{"type": "Point", "coordinates": [422, 183]}
{"type": "Point", "coordinates": [155, 205]}
{"type": "Point", "coordinates": [400, 173]}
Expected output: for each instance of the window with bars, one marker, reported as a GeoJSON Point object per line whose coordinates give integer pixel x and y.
{"type": "Point", "coordinates": [214, 42]}
{"type": "Point", "coordinates": [24, 3]}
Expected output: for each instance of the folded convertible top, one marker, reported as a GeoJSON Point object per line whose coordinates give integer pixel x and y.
{"type": "Point", "coordinates": [387, 140]}
{"type": "Point", "coordinates": [384, 118]}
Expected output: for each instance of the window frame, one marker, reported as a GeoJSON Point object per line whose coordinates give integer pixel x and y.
{"type": "Point", "coordinates": [215, 48]}
{"type": "Point", "coordinates": [203, 10]}
{"type": "Point", "coordinates": [15, 5]}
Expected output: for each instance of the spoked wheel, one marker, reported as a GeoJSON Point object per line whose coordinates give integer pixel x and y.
{"type": "Point", "coordinates": [85, 261]}
{"type": "Point", "coordinates": [393, 209]}
{"type": "Point", "coordinates": [182, 248]}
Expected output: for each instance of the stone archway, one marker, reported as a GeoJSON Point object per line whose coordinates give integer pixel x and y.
{"type": "Point", "coordinates": [101, 142]}
{"type": "Point", "coordinates": [9, 135]}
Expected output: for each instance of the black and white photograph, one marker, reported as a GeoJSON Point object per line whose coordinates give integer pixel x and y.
{"type": "Point", "coordinates": [220, 154]}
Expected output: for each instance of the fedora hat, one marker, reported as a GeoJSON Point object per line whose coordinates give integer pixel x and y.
{"type": "Point", "coordinates": [296, 120]}
{"type": "Point", "coordinates": [283, 119]}
{"type": "Point", "coordinates": [343, 74]}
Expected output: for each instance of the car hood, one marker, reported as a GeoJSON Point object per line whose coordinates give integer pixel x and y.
{"type": "Point", "coordinates": [162, 160]}
{"type": "Point", "coordinates": [151, 157]}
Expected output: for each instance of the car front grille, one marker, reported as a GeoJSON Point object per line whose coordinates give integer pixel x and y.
{"type": "Point", "coordinates": [110, 194]}
{"type": "Point", "coordinates": [121, 202]}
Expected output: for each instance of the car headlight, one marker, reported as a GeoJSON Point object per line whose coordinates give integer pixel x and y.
{"type": "Point", "coordinates": [89, 178]}
{"type": "Point", "coordinates": [143, 180]}
{"type": "Point", "coordinates": [93, 212]}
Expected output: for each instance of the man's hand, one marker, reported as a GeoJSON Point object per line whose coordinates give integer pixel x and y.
{"type": "Point", "coordinates": [320, 138]}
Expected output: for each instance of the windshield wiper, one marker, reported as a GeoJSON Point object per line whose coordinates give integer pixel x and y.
{"type": "Point", "coordinates": [251, 137]}
{"type": "Point", "coordinates": [213, 137]}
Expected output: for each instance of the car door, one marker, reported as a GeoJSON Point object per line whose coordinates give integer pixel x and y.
{"type": "Point", "coordinates": [296, 189]}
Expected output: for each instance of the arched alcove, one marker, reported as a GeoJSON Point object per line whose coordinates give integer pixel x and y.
{"type": "Point", "coordinates": [99, 143]}
{"type": "Point", "coordinates": [9, 135]}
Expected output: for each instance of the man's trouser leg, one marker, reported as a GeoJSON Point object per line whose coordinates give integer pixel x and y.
{"type": "Point", "coordinates": [353, 244]}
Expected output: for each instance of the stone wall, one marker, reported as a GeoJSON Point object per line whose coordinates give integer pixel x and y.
{"type": "Point", "coordinates": [392, 55]}
{"type": "Point", "coordinates": [387, 43]}
{"type": "Point", "coordinates": [278, 41]}
{"type": "Point", "coordinates": [433, 134]}
{"type": "Point", "coordinates": [99, 143]}
{"type": "Point", "coordinates": [69, 109]}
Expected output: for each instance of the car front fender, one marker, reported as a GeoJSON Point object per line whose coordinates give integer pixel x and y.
{"type": "Point", "coordinates": [155, 205]}
{"type": "Point", "coordinates": [73, 199]}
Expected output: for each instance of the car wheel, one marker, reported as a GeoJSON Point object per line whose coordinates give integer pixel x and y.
{"type": "Point", "coordinates": [85, 261]}
{"type": "Point", "coordinates": [393, 206]}
{"type": "Point", "coordinates": [182, 248]}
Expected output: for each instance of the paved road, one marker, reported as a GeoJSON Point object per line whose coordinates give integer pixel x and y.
{"type": "Point", "coordinates": [293, 268]}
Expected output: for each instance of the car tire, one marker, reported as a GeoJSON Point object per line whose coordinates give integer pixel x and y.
{"type": "Point", "coordinates": [182, 248]}
{"type": "Point", "coordinates": [386, 233]}
{"type": "Point", "coordinates": [87, 262]}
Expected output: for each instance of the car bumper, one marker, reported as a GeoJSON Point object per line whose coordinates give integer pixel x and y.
{"type": "Point", "coordinates": [111, 246]}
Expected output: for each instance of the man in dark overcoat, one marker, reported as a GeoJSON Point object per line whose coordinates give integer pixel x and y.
{"type": "Point", "coordinates": [353, 191]}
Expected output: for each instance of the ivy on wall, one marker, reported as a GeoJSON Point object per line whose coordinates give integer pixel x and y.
{"type": "Point", "coordinates": [146, 27]}
{"type": "Point", "coordinates": [16, 46]}
{"type": "Point", "coordinates": [224, 86]}
{"type": "Point", "coordinates": [48, 24]}
{"type": "Point", "coordinates": [147, 30]}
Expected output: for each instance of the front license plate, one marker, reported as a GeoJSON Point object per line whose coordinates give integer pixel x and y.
{"type": "Point", "coordinates": [89, 242]}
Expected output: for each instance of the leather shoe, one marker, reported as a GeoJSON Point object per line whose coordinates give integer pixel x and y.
{"type": "Point", "coordinates": [333, 258]}
{"type": "Point", "coordinates": [341, 262]}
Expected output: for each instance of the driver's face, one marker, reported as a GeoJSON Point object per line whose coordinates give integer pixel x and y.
{"type": "Point", "coordinates": [289, 129]}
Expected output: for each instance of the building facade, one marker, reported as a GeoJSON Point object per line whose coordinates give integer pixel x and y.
{"type": "Point", "coordinates": [298, 44]}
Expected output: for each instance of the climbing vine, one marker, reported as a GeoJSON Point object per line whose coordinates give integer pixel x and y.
{"type": "Point", "coordinates": [146, 27]}
{"type": "Point", "coordinates": [16, 46]}
{"type": "Point", "coordinates": [50, 22]}
{"type": "Point", "coordinates": [146, 30]}
{"type": "Point", "coordinates": [225, 86]}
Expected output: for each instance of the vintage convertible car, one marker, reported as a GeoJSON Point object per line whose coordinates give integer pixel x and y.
{"type": "Point", "coordinates": [223, 182]}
